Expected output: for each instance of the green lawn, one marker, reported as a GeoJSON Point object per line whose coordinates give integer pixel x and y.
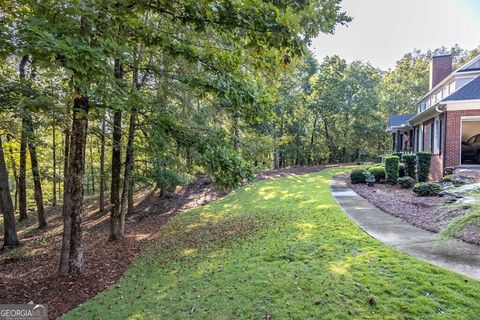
{"type": "Point", "coordinates": [279, 249]}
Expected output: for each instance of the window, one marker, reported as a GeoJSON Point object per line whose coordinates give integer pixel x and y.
{"type": "Point", "coordinates": [451, 87]}
{"type": "Point", "coordinates": [436, 136]}
{"type": "Point", "coordinates": [420, 138]}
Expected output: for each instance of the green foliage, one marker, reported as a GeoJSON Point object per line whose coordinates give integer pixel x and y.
{"type": "Point", "coordinates": [378, 172]}
{"type": "Point", "coordinates": [166, 179]}
{"type": "Point", "coordinates": [357, 176]}
{"type": "Point", "coordinates": [228, 169]}
{"type": "Point", "coordinates": [401, 169]}
{"type": "Point", "coordinates": [262, 236]}
{"type": "Point", "coordinates": [423, 165]}
{"type": "Point", "coordinates": [448, 178]}
{"type": "Point", "coordinates": [368, 175]}
{"type": "Point", "coordinates": [427, 189]}
{"type": "Point", "coordinates": [345, 98]}
{"type": "Point", "coordinates": [391, 169]}
{"type": "Point", "coordinates": [406, 182]}
{"type": "Point", "coordinates": [410, 161]}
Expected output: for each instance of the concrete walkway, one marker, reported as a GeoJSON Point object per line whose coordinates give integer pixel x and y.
{"type": "Point", "coordinates": [454, 255]}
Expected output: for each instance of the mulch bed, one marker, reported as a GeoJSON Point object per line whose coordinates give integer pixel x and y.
{"type": "Point", "coordinates": [428, 213]}
{"type": "Point", "coordinates": [30, 272]}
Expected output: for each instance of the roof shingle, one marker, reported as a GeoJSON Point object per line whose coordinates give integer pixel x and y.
{"type": "Point", "coordinates": [469, 91]}
{"type": "Point", "coordinates": [398, 120]}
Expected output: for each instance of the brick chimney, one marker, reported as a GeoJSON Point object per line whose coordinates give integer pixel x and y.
{"type": "Point", "coordinates": [440, 68]}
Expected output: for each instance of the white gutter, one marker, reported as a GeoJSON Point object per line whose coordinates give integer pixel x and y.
{"type": "Point", "coordinates": [435, 108]}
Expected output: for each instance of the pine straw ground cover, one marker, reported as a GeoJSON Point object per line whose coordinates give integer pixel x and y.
{"type": "Point", "coordinates": [279, 249]}
{"type": "Point", "coordinates": [29, 273]}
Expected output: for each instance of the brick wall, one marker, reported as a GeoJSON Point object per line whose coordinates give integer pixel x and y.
{"type": "Point", "coordinates": [453, 133]}
{"type": "Point", "coordinates": [440, 68]}
{"type": "Point", "coordinates": [436, 169]}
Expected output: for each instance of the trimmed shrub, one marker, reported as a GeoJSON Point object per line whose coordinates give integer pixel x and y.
{"type": "Point", "coordinates": [427, 189]}
{"type": "Point", "coordinates": [378, 172]}
{"type": "Point", "coordinates": [410, 161]}
{"type": "Point", "coordinates": [368, 175]}
{"type": "Point", "coordinates": [406, 182]}
{"type": "Point", "coordinates": [423, 165]}
{"type": "Point", "coordinates": [401, 169]}
{"type": "Point", "coordinates": [356, 176]}
{"type": "Point", "coordinates": [398, 154]}
{"type": "Point", "coordinates": [391, 169]}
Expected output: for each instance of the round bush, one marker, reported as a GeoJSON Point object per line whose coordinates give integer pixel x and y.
{"type": "Point", "coordinates": [406, 182]}
{"type": "Point", "coordinates": [427, 189]}
{"type": "Point", "coordinates": [391, 169]}
{"type": "Point", "coordinates": [378, 172]}
{"type": "Point", "coordinates": [357, 176]}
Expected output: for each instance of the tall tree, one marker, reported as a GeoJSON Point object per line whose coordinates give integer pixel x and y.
{"type": "Point", "coordinates": [102, 167]}
{"type": "Point", "coordinates": [37, 182]}
{"type": "Point", "coordinates": [22, 176]}
{"type": "Point", "coordinates": [6, 206]}
{"type": "Point", "coordinates": [116, 221]}
{"type": "Point", "coordinates": [71, 261]}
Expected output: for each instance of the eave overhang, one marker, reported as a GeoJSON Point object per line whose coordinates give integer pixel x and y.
{"type": "Point", "coordinates": [429, 113]}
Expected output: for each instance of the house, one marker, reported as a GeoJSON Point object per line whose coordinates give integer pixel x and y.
{"type": "Point", "coordinates": [448, 118]}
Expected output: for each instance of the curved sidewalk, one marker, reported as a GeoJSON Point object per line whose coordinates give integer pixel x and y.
{"type": "Point", "coordinates": [454, 255]}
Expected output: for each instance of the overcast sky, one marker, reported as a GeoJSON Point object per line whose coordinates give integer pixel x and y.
{"type": "Point", "coordinates": [383, 30]}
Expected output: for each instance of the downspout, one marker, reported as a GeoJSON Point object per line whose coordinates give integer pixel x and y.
{"type": "Point", "coordinates": [443, 136]}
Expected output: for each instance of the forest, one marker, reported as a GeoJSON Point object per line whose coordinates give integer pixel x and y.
{"type": "Point", "coordinates": [103, 98]}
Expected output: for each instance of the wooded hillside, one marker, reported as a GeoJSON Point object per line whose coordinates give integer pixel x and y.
{"type": "Point", "coordinates": [103, 98]}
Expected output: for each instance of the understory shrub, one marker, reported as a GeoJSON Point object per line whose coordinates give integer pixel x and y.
{"type": "Point", "coordinates": [227, 168]}
{"type": "Point", "coordinates": [391, 169]}
{"type": "Point", "coordinates": [406, 182]}
{"type": "Point", "coordinates": [378, 172]}
{"type": "Point", "coordinates": [401, 169]}
{"type": "Point", "coordinates": [427, 189]}
{"type": "Point", "coordinates": [410, 161]}
{"type": "Point", "coordinates": [357, 176]}
{"type": "Point", "coordinates": [424, 160]}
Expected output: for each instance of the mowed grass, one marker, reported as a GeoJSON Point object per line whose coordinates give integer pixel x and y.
{"type": "Point", "coordinates": [279, 249]}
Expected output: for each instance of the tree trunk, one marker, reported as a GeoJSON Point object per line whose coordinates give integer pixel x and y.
{"type": "Point", "coordinates": [92, 173]}
{"type": "Point", "coordinates": [127, 181]}
{"type": "Point", "coordinates": [66, 154]}
{"type": "Point", "coordinates": [71, 260]}
{"type": "Point", "coordinates": [6, 207]}
{"type": "Point", "coordinates": [67, 222]}
{"type": "Point", "coordinates": [312, 141]}
{"type": "Point", "coordinates": [54, 151]}
{"type": "Point", "coordinates": [282, 149]}
{"type": "Point", "coordinates": [330, 144]}
{"type": "Point", "coordinates": [102, 167]}
{"type": "Point", "coordinates": [14, 169]}
{"type": "Point", "coordinates": [38, 195]}
{"type": "Point", "coordinates": [276, 157]}
{"type": "Point", "coordinates": [22, 175]}
{"type": "Point", "coordinates": [115, 211]}
{"type": "Point", "coordinates": [131, 191]}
